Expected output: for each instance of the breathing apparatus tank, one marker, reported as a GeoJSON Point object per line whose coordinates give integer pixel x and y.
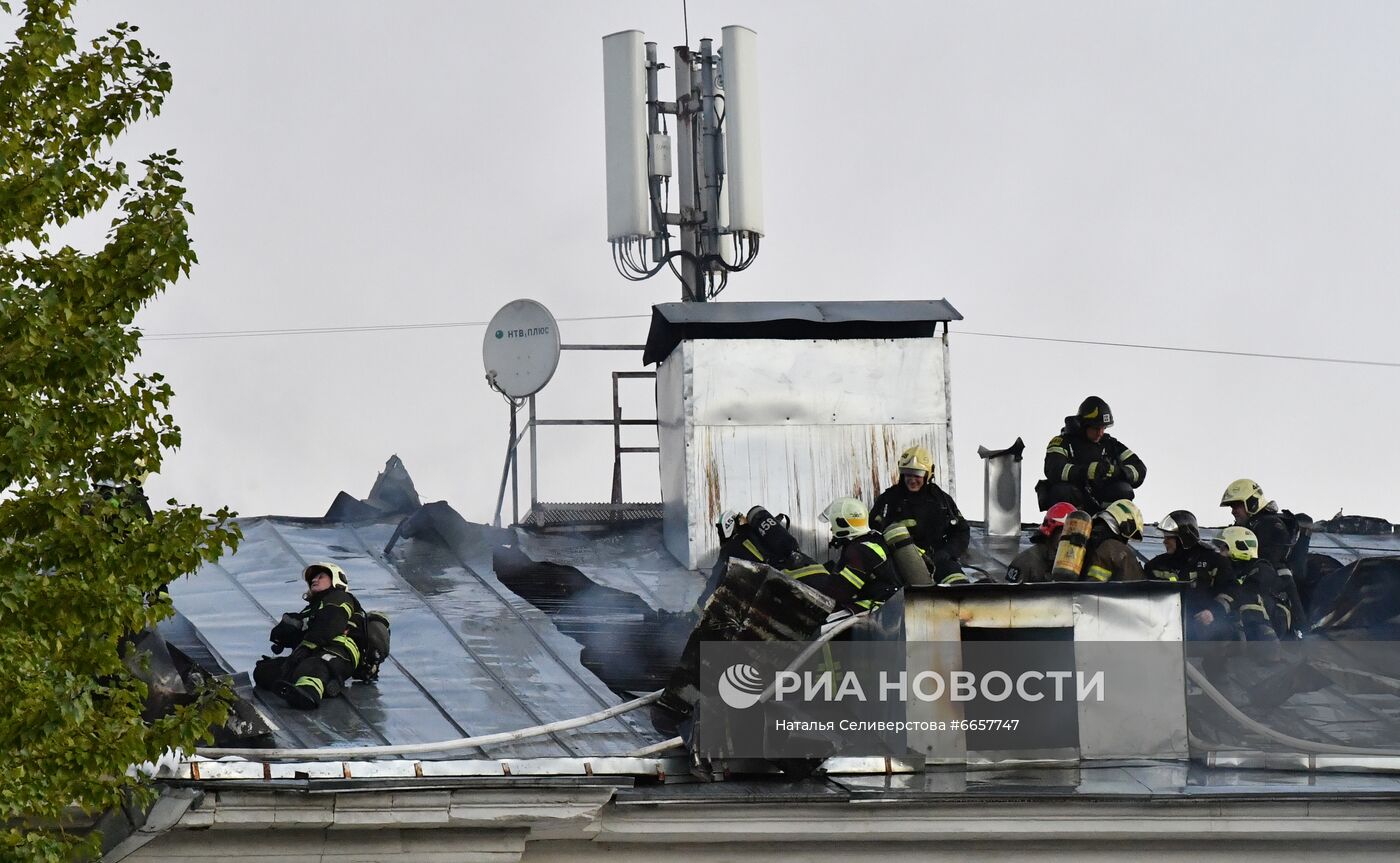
{"type": "Point", "coordinates": [1070, 553]}
{"type": "Point", "coordinates": [908, 562]}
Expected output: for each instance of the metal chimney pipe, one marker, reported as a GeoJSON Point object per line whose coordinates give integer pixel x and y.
{"type": "Point", "coordinates": [1002, 488]}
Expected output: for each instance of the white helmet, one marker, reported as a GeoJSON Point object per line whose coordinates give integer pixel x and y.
{"type": "Point", "coordinates": [728, 522]}
{"type": "Point", "coordinates": [338, 577]}
{"type": "Point", "coordinates": [848, 518]}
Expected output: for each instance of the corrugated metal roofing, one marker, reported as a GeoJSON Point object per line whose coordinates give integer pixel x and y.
{"type": "Point", "coordinates": [469, 657]}
{"type": "Point", "coordinates": [867, 319]}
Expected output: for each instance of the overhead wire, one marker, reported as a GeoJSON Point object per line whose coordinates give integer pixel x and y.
{"type": "Point", "coordinates": [1186, 350]}
{"type": "Point", "coordinates": [302, 331]}
{"type": "Point", "coordinates": [337, 330]}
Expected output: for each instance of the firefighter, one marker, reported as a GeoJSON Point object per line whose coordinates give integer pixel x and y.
{"type": "Point", "coordinates": [861, 576]}
{"type": "Point", "coordinates": [936, 525]}
{"type": "Point", "coordinates": [1109, 556]}
{"type": "Point", "coordinates": [1277, 532]}
{"type": "Point", "coordinates": [323, 640]}
{"type": "Point", "coordinates": [1250, 589]}
{"type": "Point", "coordinates": [1189, 561]}
{"type": "Point", "coordinates": [1035, 563]}
{"type": "Point", "coordinates": [1085, 465]}
{"type": "Point", "coordinates": [757, 536]}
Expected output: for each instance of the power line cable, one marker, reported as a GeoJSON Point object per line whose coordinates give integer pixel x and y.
{"type": "Point", "coordinates": [376, 328]}
{"type": "Point", "coordinates": [1185, 350]}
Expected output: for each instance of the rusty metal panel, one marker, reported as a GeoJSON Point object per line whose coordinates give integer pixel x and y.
{"type": "Point", "coordinates": [672, 432]}
{"type": "Point", "coordinates": [794, 469]}
{"type": "Point", "coordinates": [790, 424]}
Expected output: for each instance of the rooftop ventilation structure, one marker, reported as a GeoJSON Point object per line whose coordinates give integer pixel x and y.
{"type": "Point", "coordinates": [791, 405]}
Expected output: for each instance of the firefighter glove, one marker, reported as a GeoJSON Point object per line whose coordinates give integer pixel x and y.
{"type": "Point", "coordinates": [287, 632]}
{"type": "Point", "coordinates": [1102, 470]}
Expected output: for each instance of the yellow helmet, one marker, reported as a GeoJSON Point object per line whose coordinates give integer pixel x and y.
{"type": "Point", "coordinates": [916, 459]}
{"type": "Point", "coordinates": [847, 516]}
{"type": "Point", "coordinates": [1240, 543]}
{"type": "Point", "coordinates": [1247, 492]}
{"type": "Point", "coordinates": [1124, 518]}
{"type": "Point", "coordinates": [338, 577]}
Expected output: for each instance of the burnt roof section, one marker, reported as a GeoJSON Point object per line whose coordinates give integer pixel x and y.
{"type": "Point", "coordinates": [672, 323]}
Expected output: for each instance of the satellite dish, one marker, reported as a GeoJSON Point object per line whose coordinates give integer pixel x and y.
{"type": "Point", "coordinates": [521, 348]}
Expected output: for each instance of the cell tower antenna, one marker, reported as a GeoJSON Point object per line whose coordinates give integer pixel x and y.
{"type": "Point", "coordinates": [718, 215]}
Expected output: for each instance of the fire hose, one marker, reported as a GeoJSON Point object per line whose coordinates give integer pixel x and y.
{"type": "Point", "coordinates": [342, 753]}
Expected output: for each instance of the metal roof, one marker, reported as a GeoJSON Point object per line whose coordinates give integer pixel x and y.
{"type": "Point", "coordinates": [469, 656]}
{"type": "Point", "coordinates": [672, 323]}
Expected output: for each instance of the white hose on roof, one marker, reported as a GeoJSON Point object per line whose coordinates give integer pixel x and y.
{"type": "Point", "coordinates": [1258, 727]}
{"type": "Point", "coordinates": [344, 753]}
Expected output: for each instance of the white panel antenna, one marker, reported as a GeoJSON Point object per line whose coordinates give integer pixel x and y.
{"type": "Point", "coordinates": [625, 113]}
{"type": "Point", "coordinates": [739, 62]}
{"type": "Point", "coordinates": [718, 203]}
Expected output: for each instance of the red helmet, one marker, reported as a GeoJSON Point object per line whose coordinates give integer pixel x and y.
{"type": "Point", "coordinates": [1055, 517]}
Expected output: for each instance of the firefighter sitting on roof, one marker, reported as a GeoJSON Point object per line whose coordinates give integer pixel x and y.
{"type": "Point", "coordinates": [1279, 536]}
{"type": "Point", "coordinates": [322, 636]}
{"type": "Point", "coordinates": [932, 516]}
{"type": "Point", "coordinates": [1085, 465]}
{"type": "Point", "coordinates": [861, 576]}
{"type": "Point", "coordinates": [1109, 556]}
{"type": "Point", "coordinates": [1249, 592]}
{"type": "Point", "coordinates": [1187, 560]}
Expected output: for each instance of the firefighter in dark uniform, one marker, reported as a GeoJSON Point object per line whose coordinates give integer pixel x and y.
{"type": "Point", "coordinates": [861, 576]}
{"type": "Point", "coordinates": [757, 536]}
{"type": "Point", "coordinates": [1108, 554]}
{"type": "Point", "coordinates": [323, 640]}
{"type": "Point", "coordinates": [932, 516]}
{"type": "Point", "coordinates": [1085, 465]}
{"type": "Point", "coordinates": [1035, 563]}
{"type": "Point", "coordinates": [1276, 531]}
{"type": "Point", "coordinates": [1188, 561]}
{"type": "Point", "coordinates": [1249, 593]}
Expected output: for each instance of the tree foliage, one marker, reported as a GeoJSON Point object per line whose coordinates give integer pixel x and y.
{"type": "Point", "coordinates": [78, 573]}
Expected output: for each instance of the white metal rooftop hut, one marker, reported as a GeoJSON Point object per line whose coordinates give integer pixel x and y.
{"type": "Point", "coordinates": [790, 405]}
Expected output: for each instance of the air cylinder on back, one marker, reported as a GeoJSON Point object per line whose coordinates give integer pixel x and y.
{"type": "Point", "coordinates": [1070, 553]}
{"type": "Point", "coordinates": [908, 562]}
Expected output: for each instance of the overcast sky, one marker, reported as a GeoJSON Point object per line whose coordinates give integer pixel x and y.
{"type": "Point", "coordinates": [1197, 174]}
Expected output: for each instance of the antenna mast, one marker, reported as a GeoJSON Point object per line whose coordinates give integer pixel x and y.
{"type": "Point", "coordinates": [719, 203]}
